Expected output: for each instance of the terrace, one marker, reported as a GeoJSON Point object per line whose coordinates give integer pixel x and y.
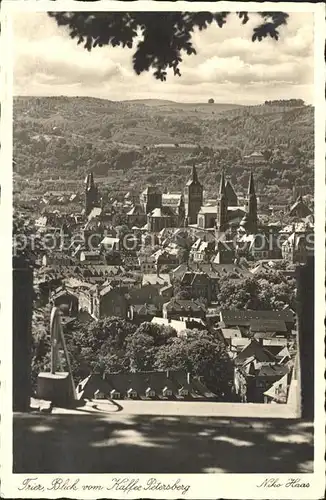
{"type": "Point", "coordinates": [161, 437]}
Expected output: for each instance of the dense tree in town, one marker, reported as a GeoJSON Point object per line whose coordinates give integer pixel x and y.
{"type": "Point", "coordinates": [99, 345]}
{"type": "Point", "coordinates": [184, 255]}
{"type": "Point", "coordinates": [111, 362]}
{"type": "Point", "coordinates": [108, 345]}
{"type": "Point", "coordinates": [159, 333]}
{"type": "Point", "coordinates": [120, 219]}
{"type": "Point", "coordinates": [200, 354]}
{"type": "Point", "coordinates": [165, 36]}
{"type": "Point", "coordinates": [265, 290]}
{"type": "Point", "coordinates": [141, 352]}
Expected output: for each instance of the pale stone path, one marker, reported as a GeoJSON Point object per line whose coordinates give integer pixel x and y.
{"type": "Point", "coordinates": [184, 408]}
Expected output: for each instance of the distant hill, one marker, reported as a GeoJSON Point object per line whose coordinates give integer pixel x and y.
{"type": "Point", "coordinates": [146, 122]}
{"type": "Point", "coordinates": [185, 105]}
{"type": "Point", "coordinates": [67, 136]}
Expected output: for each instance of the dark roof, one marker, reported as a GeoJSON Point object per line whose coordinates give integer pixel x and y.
{"type": "Point", "coordinates": [145, 309]}
{"type": "Point", "coordinates": [137, 209]}
{"type": "Point", "coordinates": [273, 371]}
{"type": "Point", "coordinates": [189, 278]}
{"type": "Point", "coordinates": [141, 381]}
{"type": "Point", "coordinates": [230, 192]}
{"type": "Point", "coordinates": [164, 211]}
{"type": "Point", "coordinates": [183, 305]}
{"type": "Point", "coordinates": [212, 269]}
{"type": "Point", "coordinates": [92, 255]}
{"type": "Point", "coordinates": [264, 335]}
{"type": "Point", "coordinates": [267, 325]}
{"type": "Point", "coordinates": [62, 293]}
{"type": "Point", "coordinates": [245, 316]}
{"type": "Point", "coordinates": [275, 350]}
{"type": "Point", "coordinates": [301, 205]}
{"type": "Point", "coordinates": [255, 350]}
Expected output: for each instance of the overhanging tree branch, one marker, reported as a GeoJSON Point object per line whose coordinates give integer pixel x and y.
{"type": "Point", "coordinates": [160, 38]}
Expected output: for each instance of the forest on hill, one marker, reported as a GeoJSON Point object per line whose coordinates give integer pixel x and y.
{"type": "Point", "coordinates": [133, 143]}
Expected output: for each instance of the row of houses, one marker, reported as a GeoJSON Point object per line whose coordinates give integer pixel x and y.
{"type": "Point", "coordinates": [155, 385]}
{"type": "Point", "coordinates": [259, 377]}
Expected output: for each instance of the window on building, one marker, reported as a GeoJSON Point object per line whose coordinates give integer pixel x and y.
{"type": "Point", "coordinates": [115, 394]}
{"type": "Point", "coordinates": [150, 393]}
{"type": "Point", "coordinates": [131, 393]}
{"type": "Point", "coordinates": [167, 393]}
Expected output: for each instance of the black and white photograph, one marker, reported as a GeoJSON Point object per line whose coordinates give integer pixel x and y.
{"type": "Point", "coordinates": [163, 199]}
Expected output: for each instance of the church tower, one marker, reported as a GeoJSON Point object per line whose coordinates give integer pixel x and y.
{"type": "Point", "coordinates": [251, 206]}
{"type": "Point", "coordinates": [91, 195]}
{"type": "Point", "coordinates": [194, 197]}
{"type": "Point", "coordinates": [222, 207]}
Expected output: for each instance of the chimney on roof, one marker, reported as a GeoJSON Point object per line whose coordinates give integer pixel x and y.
{"type": "Point", "coordinates": [188, 378]}
{"type": "Point", "coordinates": [167, 373]}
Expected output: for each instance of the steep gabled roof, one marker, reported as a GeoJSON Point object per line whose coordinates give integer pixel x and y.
{"type": "Point", "coordinates": [255, 350]}
{"type": "Point", "coordinates": [230, 193]}
{"type": "Point", "coordinates": [301, 206]}
{"type": "Point", "coordinates": [221, 190]}
{"type": "Point", "coordinates": [136, 210]}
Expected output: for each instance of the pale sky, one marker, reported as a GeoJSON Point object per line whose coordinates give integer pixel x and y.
{"type": "Point", "coordinates": [228, 66]}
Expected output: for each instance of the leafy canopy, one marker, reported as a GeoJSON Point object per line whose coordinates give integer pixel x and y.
{"type": "Point", "coordinates": [160, 38]}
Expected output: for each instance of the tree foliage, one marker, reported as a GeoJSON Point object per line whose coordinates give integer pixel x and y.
{"type": "Point", "coordinates": [202, 355]}
{"type": "Point", "coordinates": [115, 345]}
{"type": "Point", "coordinates": [265, 290]}
{"type": "Point", "coordinates": [160, 39]}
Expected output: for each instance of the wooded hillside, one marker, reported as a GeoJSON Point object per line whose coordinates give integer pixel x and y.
{"type": "Point", "coordinates": [141, 142]}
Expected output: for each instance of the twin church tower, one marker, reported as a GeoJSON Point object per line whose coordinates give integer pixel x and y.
{"type": "Point", "coordinates": [226, 202]}
{"type": "Point", "coordinates": [226, 198]}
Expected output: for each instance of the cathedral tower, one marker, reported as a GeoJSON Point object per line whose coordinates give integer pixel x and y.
{"type": "Point", "coordinates": [231, 195]}
{"type": "Point", "coordinates": [91, 194]}
{"type": "Point", "coordinates": [194, 197]}
{"type": "Point", "coordinates": [251, 206]}
{"type": "Point", "coordinates": [222, 207]}
{"type": "Point", "coordinates": [150, 199]}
